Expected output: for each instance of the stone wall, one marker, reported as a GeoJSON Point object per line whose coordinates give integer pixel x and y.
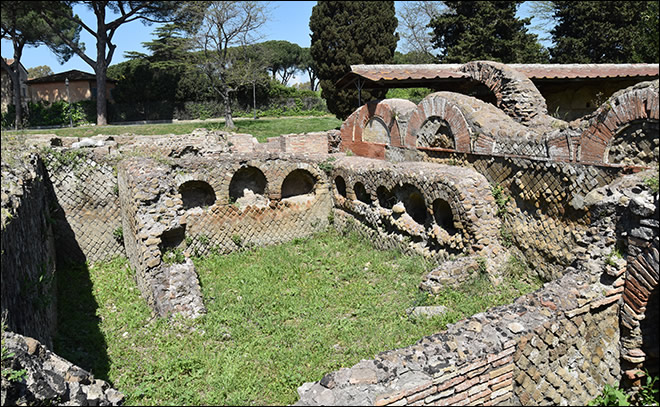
{"type": "Point", "coordinates": [545, 210]}
{"type": "Point", "coordinates": [441, 212]}
{"type": "Point", "coordinates": [196, 206]}
{"type": "Point", "coordinates": [86, 197]}
{"type": "Point", "coordinates": [48, 379]}
{"type": "Point", "coordinates": [28, 249]}
{"type": "Point", "coordinates": [556, 346]}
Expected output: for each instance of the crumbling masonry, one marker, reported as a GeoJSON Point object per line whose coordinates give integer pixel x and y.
{"type": "Point", "coordinates": [419, 179]}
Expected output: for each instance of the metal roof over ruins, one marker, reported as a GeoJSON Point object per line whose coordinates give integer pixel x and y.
{"type": "Point", "coordinates": [449, 75]}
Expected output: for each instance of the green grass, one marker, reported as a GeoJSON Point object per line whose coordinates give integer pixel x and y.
{"type": "Point", "coordinates": [277, 317]}
{"type": "Point", "coordinates": [262, 128]}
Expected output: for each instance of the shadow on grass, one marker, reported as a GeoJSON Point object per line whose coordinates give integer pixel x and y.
{"type": "Point", "coordinates": [78, 337]}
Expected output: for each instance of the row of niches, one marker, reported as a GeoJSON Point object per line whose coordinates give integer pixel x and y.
{"type": "Point", "coordinates": [432, 226]}
{"type": "Point", "coordinates": [249, 187]}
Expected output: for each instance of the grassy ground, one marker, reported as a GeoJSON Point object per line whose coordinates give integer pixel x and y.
{"type": "Point", "coordinates": [262, 128]}
{"type": "Point", "coordinates": [277, 317]}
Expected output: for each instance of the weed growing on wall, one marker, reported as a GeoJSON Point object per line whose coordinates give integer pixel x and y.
{"type": "Point", "coordinates": [501, 200]}
{"type": "Point", "coordinates": [652, 183]}
{"type": "Point", "coordinates": [9, 373]}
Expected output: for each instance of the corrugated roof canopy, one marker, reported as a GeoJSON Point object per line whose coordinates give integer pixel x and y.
{"type": "Point", "coordinates": [448, 75]}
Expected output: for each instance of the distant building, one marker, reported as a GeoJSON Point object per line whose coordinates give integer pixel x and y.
{"type": "Point", "coordinates": [51, 88]}
{"type": "Point", "coordinates": [8, 89]}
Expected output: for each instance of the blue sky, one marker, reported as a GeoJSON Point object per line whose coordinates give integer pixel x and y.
{"type": "Point", "coordinates": [289, 21]}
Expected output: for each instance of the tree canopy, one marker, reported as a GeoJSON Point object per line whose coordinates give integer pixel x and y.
{"type": "Point", "coordinates": [490, 30]}
{"type": "Point", "coordinates": [226, 25]}
{"type": "Point", "coordinates": [125, 11]}
{"type": "Point", "coordinates": [605, 32]}
{"type": "Point", "coordinates": [39, 71]}
{"type": "Point", "coordinates": [345, 33]}
{"type": "Point", "coordinates": [23, 25]}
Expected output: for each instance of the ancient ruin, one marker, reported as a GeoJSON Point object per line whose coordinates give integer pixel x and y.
{"type": "Point", "coordinates": [419, 178]}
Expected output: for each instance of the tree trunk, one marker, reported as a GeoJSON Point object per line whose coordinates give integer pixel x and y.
{"type": "Point", "coordinates": [101, 68]}
{"type": "Point", "coordinates": [229, 121]}
{"type": "Point", "coordinates": [16, 79]}
{"type": "Point", "coordinates": [101, 103]}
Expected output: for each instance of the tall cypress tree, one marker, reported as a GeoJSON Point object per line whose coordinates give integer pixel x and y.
{"type": "Point", "coordinates": [605, 32]}
{"type": "Point", "coordinates": [346, 33]}
{"type": "Point", "coordinates": [485, 30]}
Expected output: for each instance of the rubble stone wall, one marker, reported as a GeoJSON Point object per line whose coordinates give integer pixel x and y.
{"type": "Point", "coordinates": [545, 209]}
{"type": "Point", "coordinates": [28, 249]}
{"type": "Point", "coordinates": [49, 379]}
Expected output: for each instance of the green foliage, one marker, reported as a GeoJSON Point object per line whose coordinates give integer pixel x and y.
{"type": "Point", "coordinates": [652, 183]}
{"type": "Point", "coordinates": [118, 234]}
{"type": "Point", "coordinates": [506, 236]}
{"type": "Point", "coordinates": [8, 372]}
{"type": "Point", "coordinates": [61, 113]}
{"type": "Point", "coordinates": [605, 32]}
{"type": "Point", "coordinates": [414, 95]}
{"type": "Point", "coordinates": [237, 239]}
{"type": "Point", "coordinates": [614, 254]}
{"type": "Point", "coordinates": [611, 396]}
{"type": "Point", "coordinates": [485, 30]}
{"type": "Point", "coordinates": [71, 159]}
{"type": "Point", "coordinates": [501, 200]}
{"type": "Point", "coordinates": [345, 33]}
{"type": "Point", "coordinates": [327, 165]}
{"type": "Point", "coordinates": [283, 58]}
{"type": "Point", "coordinates": [174, 256]}
{"type": "Point", "coordinates": [648, 394]}
{"type": "Point", "coordinates": [39, 71]}
{"type": "Point", "coordinates": [262, 129]}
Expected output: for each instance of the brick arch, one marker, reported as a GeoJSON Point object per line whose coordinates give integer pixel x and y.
{"type": "Point", "coordinates": [516, 95]}
{"type": "Point", "coordinates": [389, 113]}
{"type": "Point", "coordinates": [442, 106]}
{"type": "Point", "coordinates": [638, 102]}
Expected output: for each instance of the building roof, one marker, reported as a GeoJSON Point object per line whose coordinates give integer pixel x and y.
{"type": "Point", "coordinates": [392, 76]}
{"type": "Point", "coordinates": [73, 75]}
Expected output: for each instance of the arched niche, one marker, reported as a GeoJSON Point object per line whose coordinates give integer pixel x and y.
{"type": "Point", "coordinates": [386, 198]}
{"type": "Point", "coordinates": [361, 193]}
{"type": "Point", "coordinates": [376, 131]}
{"type": "Point", "coordinates": [443, 215]}
{"type": "Point", "coordinates": [413, 200]}
{"type": "Point", "coordinates": [250, 178]}
{"type": "Point", "coordinates": [196, 194]}
{"type": "Point", "coordinates": [435, 132]}
{"type": "Point", "coordinates": [298, 182]}
{"type": "Point", "coordinates": [340, 185]}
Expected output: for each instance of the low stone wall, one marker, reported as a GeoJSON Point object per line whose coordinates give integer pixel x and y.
{"type": "Point", "coordinates": [48, 379]}
{"type": "Point", "coordinates": [438, 211]}
{"type": "Point", "coordinates": [556, 346]}
{"type": "Point", "coordinates": [28, 249]}
{"type": "Point", "coordinates": [196, 206]}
